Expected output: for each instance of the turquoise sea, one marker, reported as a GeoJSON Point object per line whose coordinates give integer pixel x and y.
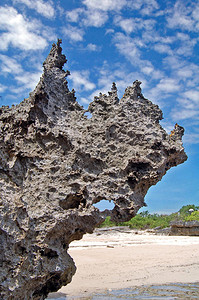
{"type": "Point", "coordinates": [167, 291]}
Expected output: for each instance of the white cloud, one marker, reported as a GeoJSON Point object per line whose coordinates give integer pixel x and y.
{"type": "Point", "coordinates": [81, 81]}
{"type": "Point", "coordinates": [192, 95]}
{"type": "Point", "coordinates": [84, 101]}
{"type": "Point", "coordinates": [44, 8]}
{"type": "Point", "coordinates": [195, 13]}
{"type": "Point", "coordinates": [145, 6]}
{"type": "Point", "coordinates": [29, 80]}
{"type": "Point", "coordinates": [162, 48]}
{"type": "Point", "coordinates": [185, 72]}
{"type": "Point", "coordinates": [191, 138]}
{"type": "Point", "coordinates": [134, 24]}
{"type": "Point", "coordinates": [74, 15]}
{"type": "Point", "coordinates": [149, 6]}
{"type": "Point", "coordinates": [19, 32]}
{"type": "Point", "coordinates": [168, 85]}
{"type": "Point", "coordinates": [173, 62]}
{"type": "Point", "coordinates": [105, 5]}
{"type": "Point", "coordinates": [73, 33]}
{"type": "Point", "coordinates": [109, 31]}
{"type": "Point", "coordinates": [93, 47]}
{"type": "Point", "coordinates": [186, 48]}
{"type": "Point", "coordinates": [183, 16]}
{"type": "Point", "coordinates": [165, 88]}
{"type": "Point", "coordinates": [95, 18]}
{"type": "Point", "coordinates": [2, 88]}
{"type": "Point", "coordinates": [9, 65]}
{"type": "Point", "coordinates": [177, 20]}
{"type": "Point", "coordinates": [187, 106]}
{"type": "Point", "coordinates": [182, 114]}
{"type": "Point", "coordinates": [128, 25]}
{"type": "Point", "coordinates": [183, 36]}
{"type": "Point", "coordinates": [127, 47]}
{"type": "Point", "coordinates": [147, 70]}
{"type": "Point", "coordinates": [182, 70]}
{"type": "Point", "coordinates": [87, 17]}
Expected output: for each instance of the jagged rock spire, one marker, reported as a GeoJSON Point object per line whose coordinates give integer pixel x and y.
{"type": "Point", "coordinates": [114, 88]}
{"type": "Point", "coordinates": [177, 132]}
{"type": "Point", "coordinates": [55, 57]}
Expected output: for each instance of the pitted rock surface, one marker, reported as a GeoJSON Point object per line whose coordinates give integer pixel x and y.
{"type": "Point", "coordinates": [55, 163]}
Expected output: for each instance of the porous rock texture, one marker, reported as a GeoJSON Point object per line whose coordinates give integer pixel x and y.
{"type": "Point", "coordinates": [55, 163]}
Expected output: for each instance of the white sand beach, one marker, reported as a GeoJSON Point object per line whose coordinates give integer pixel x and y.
{"type": "Point", "coordinates": [114, 260]}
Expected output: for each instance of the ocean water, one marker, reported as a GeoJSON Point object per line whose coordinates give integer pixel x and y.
{"type": "Point", "coordinates": [167, 291]}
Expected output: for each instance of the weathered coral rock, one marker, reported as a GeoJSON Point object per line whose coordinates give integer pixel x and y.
{"type": "Point", "coordinates": [185, 228]}
{"type": "Point", "coordinates": [55, 163]}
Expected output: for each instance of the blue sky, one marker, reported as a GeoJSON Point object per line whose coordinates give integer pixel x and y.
{"type": "Point", "coordinates": [153, 41]}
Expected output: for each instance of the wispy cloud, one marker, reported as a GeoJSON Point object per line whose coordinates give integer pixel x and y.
{"type": "Point", "coordinates": [191, 138]}
{"type": "Point", "coordinates": [149, 6]}
{"type": "Point", "coordinates": [187, 105]}
{"type": "Point", "coordinates": [2, 88]}
{"type": "Point", "coordinates": [168, 85]}
{"type": "Point", "coordinates": [29, 80]}
{"type": "Point", "coordinates": [19, 32]}
{"type": "Point", "coordinates": [44, 8]}
{"type": "Point", "coordinates": [84, 101]}
{"type": "Point", "coordinates": [81, 80]}
{"type": "Point", "coordinates": [127, 47]}
{"type": "Point", "coordinates": [26, 80]}
{"type": "Point", "coordinates": [87, 17]}
{"type": "Point", "coordinates": [94, 18]}
{"type": "Point", "coordinates": [74, 15]}
{"type": "Point", "coordinates": [9, 65]}
{"type": "Point", "coordinates": [134, 24]}
{"type": "Point", "coordinates": [130, 48]}
{"type": "Point", "coordinates": [165, 88]}
{"type": "Point", "coordinates": [105, 5]}
{"type": "Point", "coordinates": [193, 95]}
{"type": "Point", "coordinates": [93, 47]}
{"type": "Point", "coordinates": [73, 33]}
{"type": "Point", "coordinates": [145, 6]}
{"type": "Point", "coordinates": [184, 16]}
{"type": "Point", "coordinates": [163, 48]}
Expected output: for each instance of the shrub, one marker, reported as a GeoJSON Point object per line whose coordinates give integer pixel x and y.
{"type": "Point", "coordinates": [194, 216]}
{"type": "Point", "coordinates": [146, 220]}
{"type": "Point", "coordinates": [108, 223]}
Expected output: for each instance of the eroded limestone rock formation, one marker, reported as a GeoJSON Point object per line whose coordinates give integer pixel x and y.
{"type": "Point", "coordinates": [185, 228]}
{"type": "Point", "coordinates": [55, 163]}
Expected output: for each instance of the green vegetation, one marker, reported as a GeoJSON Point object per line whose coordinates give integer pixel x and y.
{"type": "Point", "coordinates": [145, 220]}
{"type": "Point", "coordinates": [194, 216]}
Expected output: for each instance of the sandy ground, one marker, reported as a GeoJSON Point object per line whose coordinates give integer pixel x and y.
{"type": "Point", "coordinates": [109, 260]}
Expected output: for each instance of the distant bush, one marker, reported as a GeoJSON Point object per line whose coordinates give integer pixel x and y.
{"type": "Point", "coordinates": [108, 223]}
{"type": "Point", "coordinates": [185, 209]}
{"type": "Point", "coordinates": [145, 220]}
{"type": "Point", "coordinates": [148, 221]}
{"type": "Point", "coordinates": [194, 216]}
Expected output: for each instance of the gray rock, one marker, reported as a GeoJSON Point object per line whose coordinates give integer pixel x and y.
{"type": "Point", "coordinates": [184, 228]}
{"type": "Point", "coordinates": [55, 163]}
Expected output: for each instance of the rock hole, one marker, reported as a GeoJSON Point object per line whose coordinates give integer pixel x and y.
{"type": "Point", "coordinates": [49, 253]}
{"type": "Point", "coordinates": [105, 205]}
{"type": "Point", "coordinates": [132, 180]}
{"type": "Point", "coordinates": [72, 201]}
{"type": "Point", "coordinates": [88, 115]}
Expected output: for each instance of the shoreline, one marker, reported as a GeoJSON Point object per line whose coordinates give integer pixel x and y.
{"type": "Point", "coordinates": [113, 260]}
